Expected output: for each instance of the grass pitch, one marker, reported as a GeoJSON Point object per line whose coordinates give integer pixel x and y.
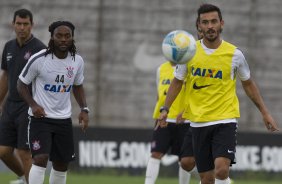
{"type": "Point", "coordinates": [75, 178]}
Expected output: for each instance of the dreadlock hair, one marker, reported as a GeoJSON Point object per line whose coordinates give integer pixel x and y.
{"type": "Point", "coordinates": [51, 46]}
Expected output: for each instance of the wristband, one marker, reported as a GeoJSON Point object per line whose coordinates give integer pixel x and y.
{"type": "Point", "coordinates": [164, 108]}
{"type": "Point", "coordinates": [85, 109]}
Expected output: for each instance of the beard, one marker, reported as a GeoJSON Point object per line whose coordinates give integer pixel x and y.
{"type": "Point", "coordinates": [211, 35]}
{"type": "Point", "coordinates": [62, 48]}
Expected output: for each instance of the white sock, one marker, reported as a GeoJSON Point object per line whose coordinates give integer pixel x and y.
{"type": "Point", "coordinates": [36, 174]}
{"type": "Point", "coordinates": [23, 179]}
{"type": "Point", "coordinates": [57, 177]}
{"type": "Point", "coordinates": [184, 176]}
{"type": "Point", "coordinates": [226, 181]}
{"type": "Point", "coordinates": [152, 170]}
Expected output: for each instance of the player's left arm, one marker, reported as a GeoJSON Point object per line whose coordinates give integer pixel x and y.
{"type": "Point", "coordinates": [252, 90]}
{"type": "Point", "coordinates": [79, 95]}
{"type": "Point", "coordinates": [253, 93]}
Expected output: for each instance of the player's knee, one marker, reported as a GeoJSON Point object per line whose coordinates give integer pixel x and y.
{"type": "Point", "coordinates": [207, 180]}
{"type": "Point", "coordinates": [187, 163]}
{"type": "Point", "coordinates": [207, 177]}
{"type": "Point", "coordinates": [60, 166]}
{"type": "Point", "coordinates": [24, 154]}
{"type": "Point", "coordinates": [41, 160]}
{"type": "Point", "coordinates": [157, 155]}
{"type": "Point", "coordinates": [221, 168]}
{"type": "Point", "coordinates": [26, 160]}
{"type": "Point", "coordinates": [5, 151]}
{"type": "Point", "coordinates": [221, 173]}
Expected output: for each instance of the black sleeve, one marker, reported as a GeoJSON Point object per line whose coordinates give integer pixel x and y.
{"type": "Point", "coordinates": [40, 45]}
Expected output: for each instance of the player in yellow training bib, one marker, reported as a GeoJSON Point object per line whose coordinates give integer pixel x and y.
{"type": "Point", "coordinates": [170, 137]}
{"type": "Point", "coordinates": [212, 103]}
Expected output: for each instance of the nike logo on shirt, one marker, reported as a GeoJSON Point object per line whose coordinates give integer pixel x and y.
{"type": "Point", "coordinates": [199, 87]}
{"type": "Point", "coordinates": [230, 151]}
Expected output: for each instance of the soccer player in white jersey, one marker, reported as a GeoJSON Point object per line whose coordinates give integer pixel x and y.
{"type": "Point", "coordinates": [213, 106]}
{"type": "Point", "coordinates": [53, 73]}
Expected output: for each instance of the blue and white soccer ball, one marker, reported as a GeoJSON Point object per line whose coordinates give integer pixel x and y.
{"type": "Point", "coordinates": [179, 47]}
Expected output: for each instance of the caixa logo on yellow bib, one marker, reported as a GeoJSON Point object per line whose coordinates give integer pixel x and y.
{"type": "Point", "coordinates": [206, 72]}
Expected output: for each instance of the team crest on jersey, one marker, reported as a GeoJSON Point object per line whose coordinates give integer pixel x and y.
{"type": "Point", "coordinates": [70, 71]}
{"type": "Point", "coordinates": [27, 55]}
{"type": "Point", "coordinates": [36, 145]}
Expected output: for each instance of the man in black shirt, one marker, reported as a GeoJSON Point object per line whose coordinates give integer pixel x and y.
{"type": "Point", "coordinates": [14, 117]}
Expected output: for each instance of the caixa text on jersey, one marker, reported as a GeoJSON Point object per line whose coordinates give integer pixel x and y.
{"type": "Point", "coordinates": [57, 88]}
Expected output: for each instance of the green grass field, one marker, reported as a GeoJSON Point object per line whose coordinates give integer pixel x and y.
{"type": "Point", "coordinates": [74, 178]}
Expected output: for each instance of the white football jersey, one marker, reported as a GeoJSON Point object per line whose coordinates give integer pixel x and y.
{"type": "Point", "coordinates": [52, 81]}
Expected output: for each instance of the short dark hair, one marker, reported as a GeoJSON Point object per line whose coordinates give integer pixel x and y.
{"type": "Point", "coordinates": [197, 22]}
{"type": "Point", "coordinates": [206, 8]}
{"type": "Point", "coordinates": [23, 13]}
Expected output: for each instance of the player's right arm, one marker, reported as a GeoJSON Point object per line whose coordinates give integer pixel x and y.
{"type": "Point", "coordinates": [3, 85]}
{"type": "Point", "coordinates": [23, 89]}
{"type": "Point", "coordinates": [28, 74]}
{"type": "Point", "coordinates": [173, 91]}
{"type": "Point", "coordinates": [3, 78]}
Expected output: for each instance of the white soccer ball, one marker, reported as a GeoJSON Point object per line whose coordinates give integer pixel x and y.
{"type": "Point", "coordinates": [179, 47]}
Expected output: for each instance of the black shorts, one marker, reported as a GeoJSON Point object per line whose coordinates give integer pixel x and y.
{"type": "Point", "coordinates": [212, 142]}
{"type": "Point", "coordinates": [170, 137]}
{"type": "Point", "coordinates": [13, 125]}
{"type": "Point", "coordinates": [187, 146]}
{"type": "Point", "coordinates": [53, 137]}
